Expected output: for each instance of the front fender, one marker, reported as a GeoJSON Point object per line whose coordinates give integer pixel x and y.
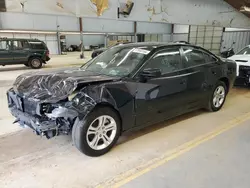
{"type": "Point", "coordinates": [89, 97]}
{"type": "Point", "coordinates": [120, 96]}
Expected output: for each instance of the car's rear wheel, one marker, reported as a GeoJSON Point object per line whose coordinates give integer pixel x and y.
{"type": "Point", "coordinates": [35, 63]}
{"type": "Point", "coordinates": [218, 97]}
{"type": "Point", "coordinates": [98, 132]}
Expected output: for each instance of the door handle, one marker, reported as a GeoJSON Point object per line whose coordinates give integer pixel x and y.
{"type": "Point", "coordinates": [214, 72]}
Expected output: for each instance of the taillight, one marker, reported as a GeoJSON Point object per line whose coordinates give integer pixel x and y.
{"type": "Point", "coordinates": [47, 53]}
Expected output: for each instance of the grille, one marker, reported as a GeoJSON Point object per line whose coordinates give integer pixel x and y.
{"type": "Point", "coordinates": [244, 71]}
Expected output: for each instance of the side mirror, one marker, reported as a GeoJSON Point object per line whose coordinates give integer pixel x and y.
{"type": "Point", "coordinates": [150, 73]}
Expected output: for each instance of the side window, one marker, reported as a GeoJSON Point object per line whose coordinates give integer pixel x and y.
{"type": "Point", "coordinates": [37, 45]}
{"type": "Point", "coordinates": [20, 45]}
{"type": "Point", "coordinates": [209, 58]}
{"type": "Point", "coordinates": [4, 45]}
{"type": "Point", "coordinates": [167, 61]}
{"type": "Point", "coordinates": [193, 57]}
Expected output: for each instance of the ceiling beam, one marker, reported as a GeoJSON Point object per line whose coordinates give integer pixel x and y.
{"type": "Point", "coordinates": [238, 4]}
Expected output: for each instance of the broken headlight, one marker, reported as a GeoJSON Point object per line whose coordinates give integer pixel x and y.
{"type": "Point", "coordinates": [72, 96]}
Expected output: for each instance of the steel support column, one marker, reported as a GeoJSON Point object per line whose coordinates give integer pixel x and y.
{"type": "Point", "coordinates": [81, 38]}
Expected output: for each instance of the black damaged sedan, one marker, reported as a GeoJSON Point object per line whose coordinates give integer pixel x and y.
{"type": "Point", "coordinates": [125, 88]}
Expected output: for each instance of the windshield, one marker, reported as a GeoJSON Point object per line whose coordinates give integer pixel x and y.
{"type": "Point", "coordinates": [244, 51]}
{"type": "Point", "coordinates": [117, 61]}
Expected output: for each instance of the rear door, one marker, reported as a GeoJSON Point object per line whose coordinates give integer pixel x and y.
{"type": "Point", "coordinates": [5, 56]}
{"type": "Point", "coordinates": [198, 67]}
{"type": "Point", "coordinates": [20, 51]}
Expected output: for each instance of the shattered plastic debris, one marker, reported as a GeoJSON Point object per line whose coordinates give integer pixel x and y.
{"type": "Point", "coordinates": [62, 112]}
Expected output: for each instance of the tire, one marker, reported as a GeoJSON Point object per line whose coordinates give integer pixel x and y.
{"type": "Point", "coordinates": [215, 105]}
{"type": "Point", "coordinates": [96, 143]}
{"type": "Point", "coordinates": [93, 55]}
{"type": "Point", "coordinates": [35, 63]}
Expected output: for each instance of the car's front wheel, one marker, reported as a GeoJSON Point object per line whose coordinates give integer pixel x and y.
{"type": "Point", "coordinates": [98, 132]}
{"type": "Point", "coordinates": [218, 97]}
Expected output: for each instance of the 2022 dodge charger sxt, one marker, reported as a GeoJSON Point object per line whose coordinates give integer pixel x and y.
{"type": "Point", "coordinates": [127, 87]}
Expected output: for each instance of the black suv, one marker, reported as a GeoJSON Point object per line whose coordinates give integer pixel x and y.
{"type": "Point", "coordinates": [30, 52]}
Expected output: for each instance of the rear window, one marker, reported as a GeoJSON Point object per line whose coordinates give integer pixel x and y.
{"type": "Point", "coordinates": [38, 45]}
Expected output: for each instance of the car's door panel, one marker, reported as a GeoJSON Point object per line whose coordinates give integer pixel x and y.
{"type": "Point", "coordinates": [198, 81]}
{"type": "Point", "coordinates": [159, 99]}
{"type": "Point", "coordinates": [196, 85]}
{"type": "Point", "coordinates": [20, 51]}
{"type": "Point", "coordinates": [162, 97]}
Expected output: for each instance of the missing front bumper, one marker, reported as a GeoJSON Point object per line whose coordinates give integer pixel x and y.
{"type": "Point", "coordinates": [48, 128]}
{"type": "Point", "coordinates": [29, 116]}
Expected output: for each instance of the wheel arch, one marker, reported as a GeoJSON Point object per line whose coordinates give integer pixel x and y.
{"type": "Point", "coordinates": [34, 56]}
{"type": "Point", "coordinates": [106, 104]}
{"type": "Point", "coordinates": [226, 81]}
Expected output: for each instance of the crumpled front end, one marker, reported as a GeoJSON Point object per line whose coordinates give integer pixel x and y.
{"type": "Point", "coordinates": [50, 102]}
{"type": "Point", "coordinates": [49, 119]}
{"type": "Point", "coordinates": [32, 114]}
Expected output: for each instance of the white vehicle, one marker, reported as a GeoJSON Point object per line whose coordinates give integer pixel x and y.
{"type": "Point", "coordinates": [242, 59]}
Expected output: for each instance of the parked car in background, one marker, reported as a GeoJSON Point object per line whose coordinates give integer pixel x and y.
{"type": "Point", "coordinates": [127, 87]}
{"type": "Point", "coordinates": [30, 52]}
{"type": "Point", "coordinates": [242, 59]}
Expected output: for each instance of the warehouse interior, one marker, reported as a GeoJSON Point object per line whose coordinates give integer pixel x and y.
{"type": "Point", "coordinates": [207, 146]}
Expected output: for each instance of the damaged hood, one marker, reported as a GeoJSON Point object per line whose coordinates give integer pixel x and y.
{"type": "Point", "coordinates": [56, 85]}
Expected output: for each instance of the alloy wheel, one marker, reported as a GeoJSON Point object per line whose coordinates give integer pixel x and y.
{"type": "Point", "coordinates": [219, 96]}
{"type": "Point", "coordinates": [101, 132]}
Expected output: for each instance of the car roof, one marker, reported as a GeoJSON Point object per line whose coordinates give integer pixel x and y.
{"type": "Point", "coordinates": [156, 44]}
{"type": "Point", "coordinates": [161, 45]}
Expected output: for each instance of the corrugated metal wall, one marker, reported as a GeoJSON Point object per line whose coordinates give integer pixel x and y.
{"type": "Point", "coordinates": [241, 39]}
{"type": "Point", "coordinates": [153, 38]}
{"type": "Point", "coordinates": [180, 37]}
{"type": "Point", "coordinates": [166, 38]}
{"type": "Point", "coordinates": [207, 37]}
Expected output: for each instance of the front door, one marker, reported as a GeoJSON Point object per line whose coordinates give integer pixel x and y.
{"type": "Point", "coordinates": [162, 97]}
{"type": "Point", "coordinates": [5, 56]}
{"type": "Point", "coordinates": [20, 51]}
